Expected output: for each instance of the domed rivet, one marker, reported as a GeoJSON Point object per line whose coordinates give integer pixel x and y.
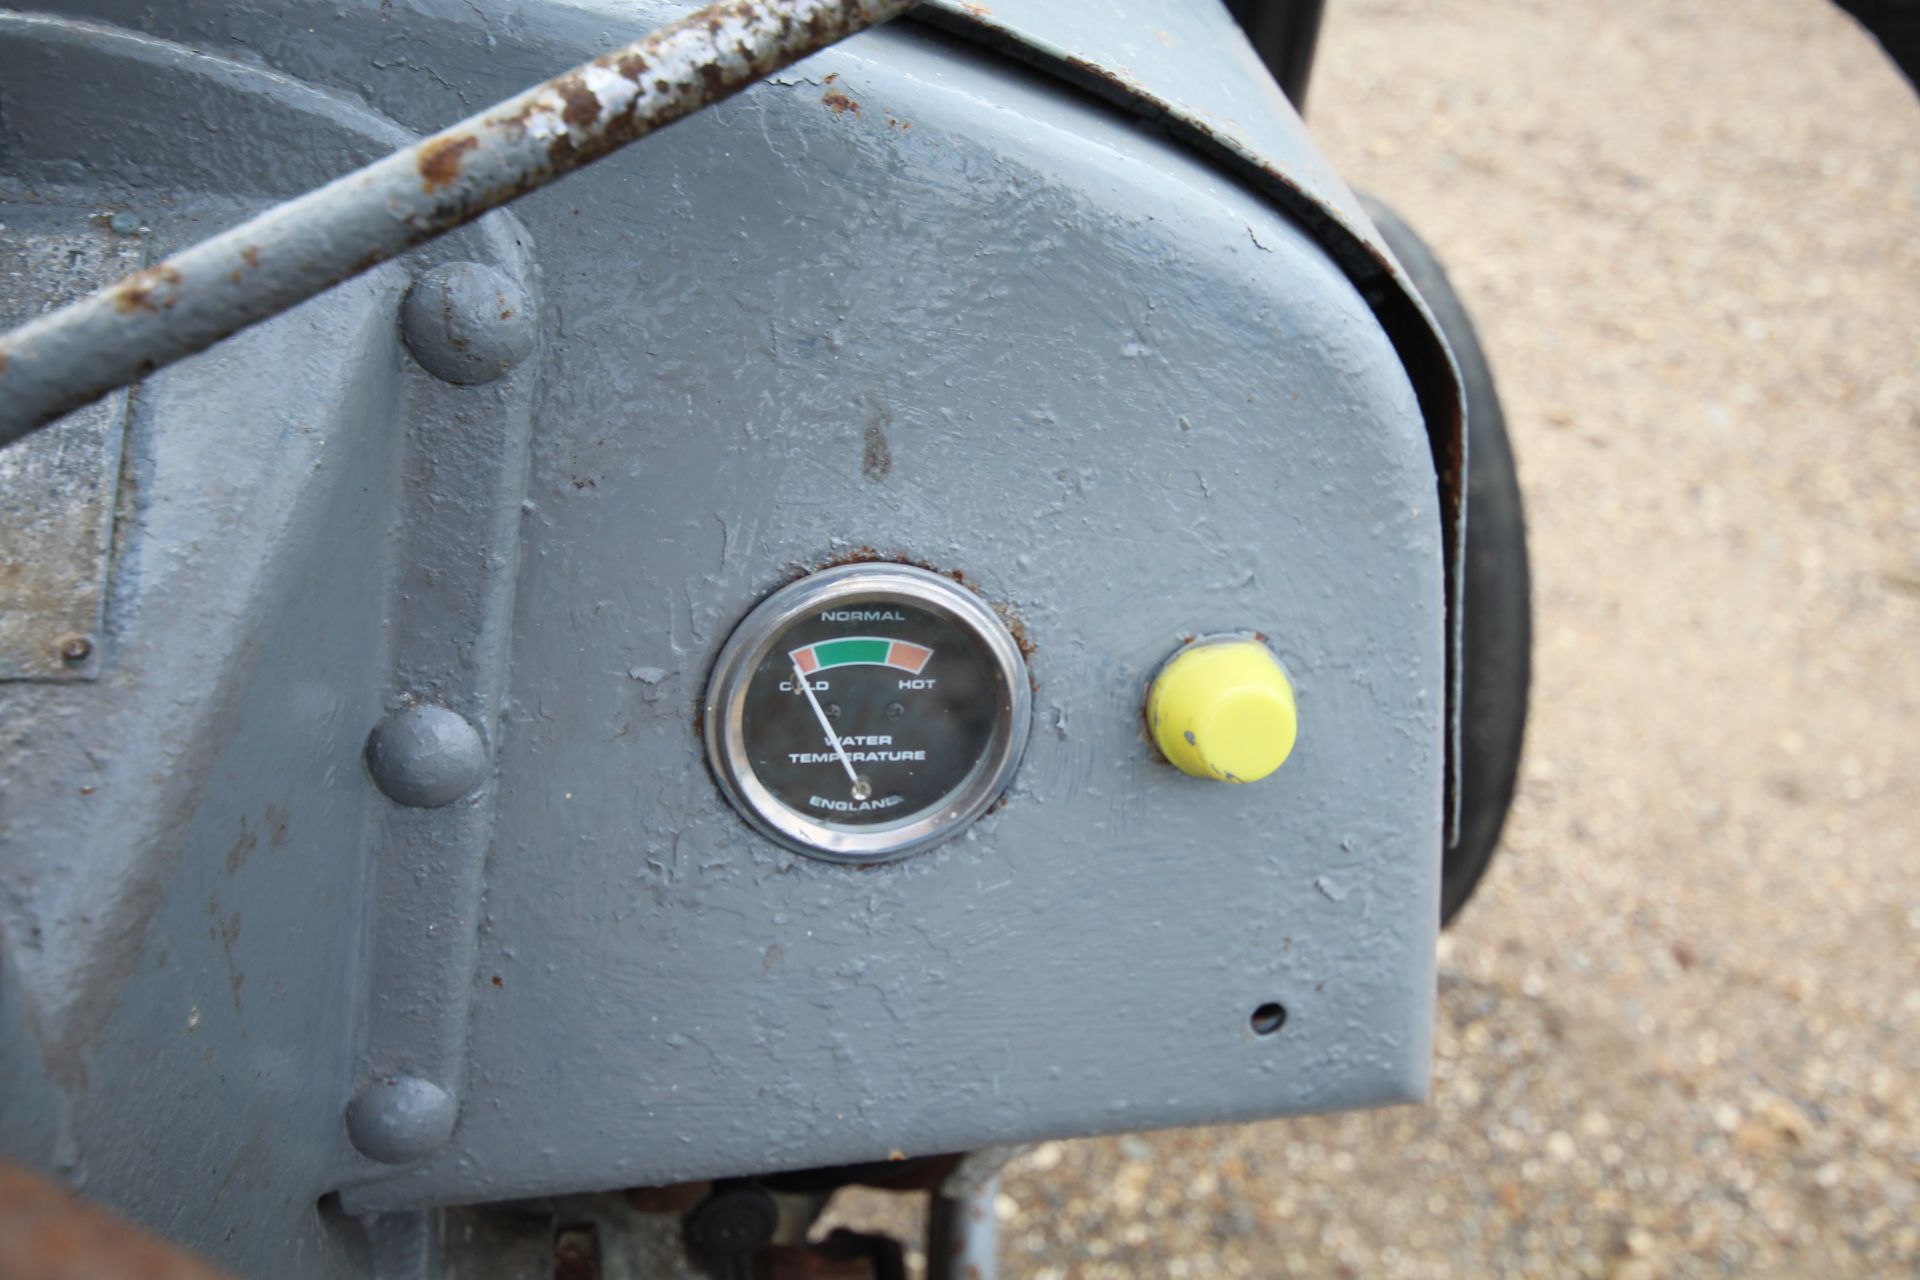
{"type": "Point", "coordinates": [396, 1119]}
{"type": "Point", "coordinates": [466, 323]}
{"type": "Point", "coordinates": [426, 756]}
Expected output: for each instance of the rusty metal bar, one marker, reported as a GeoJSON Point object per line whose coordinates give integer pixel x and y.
{"type": "Point", "coordinates": [963, 1232]}
{"type": "Point", "coordinates": [284, 256]}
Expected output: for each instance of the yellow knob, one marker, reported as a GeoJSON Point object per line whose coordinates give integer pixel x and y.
{"type": "Point", "coordinates": [1223, 708]}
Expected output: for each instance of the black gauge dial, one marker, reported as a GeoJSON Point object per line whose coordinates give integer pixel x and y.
{"type": "Point", "coordinates": [867, 711]}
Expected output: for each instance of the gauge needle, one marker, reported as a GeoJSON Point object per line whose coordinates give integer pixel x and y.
{"type": "Point", "coordinates": [858, 786]}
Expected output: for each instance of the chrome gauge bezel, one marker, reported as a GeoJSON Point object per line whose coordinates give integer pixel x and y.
{"type": "Point", "coordinates": [757, 633]}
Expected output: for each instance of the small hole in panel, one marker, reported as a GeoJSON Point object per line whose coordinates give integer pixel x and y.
{"type": "Point", "coordinates": [1268, 1018]}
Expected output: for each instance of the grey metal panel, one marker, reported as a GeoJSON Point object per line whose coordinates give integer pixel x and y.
{"type": "Point", "coordinates": [231, 141]}
{"type": "Point", "coordinates": [456, 557]}
{"type": "Point", "coordinates": [179, 892]}
{"type": "Point", "coordinates": [1118, 390]}
{"type": "Point", "coordinates": [184, 871]}
{"type": "Point", "coordinates": [1187, 61]}
{"type": "Point", "coordinates": [57, 491]}
{"type": "Point", "coordinates": [1131, 404]}
{"type": "Point", "coordinates": [250, 272]}
{"type": "Point", "coordinates": [1187, 68]}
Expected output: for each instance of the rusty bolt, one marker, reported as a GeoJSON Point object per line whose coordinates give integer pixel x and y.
{"type": "Point", "coordinates": [76, 649]}
{"type": "Point", "coordinates": [732, 1222]}
{"type": "Point", "coordinates": [576, 1253]}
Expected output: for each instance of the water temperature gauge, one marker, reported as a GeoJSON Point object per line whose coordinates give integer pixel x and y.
{"type": "Point", "coordinates": [864, 712]}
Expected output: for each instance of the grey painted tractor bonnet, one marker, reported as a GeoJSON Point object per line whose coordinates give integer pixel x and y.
{"type": "Point", "coordinates": [366, 860]}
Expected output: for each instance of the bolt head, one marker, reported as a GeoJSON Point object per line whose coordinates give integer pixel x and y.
{"type": "Point", "coordinates": [467, 323]}
{"type": "Point", "coordinates": [732, 1222]}
{"type": "Point", "coordinates": [398, 1119]}
{"type": "Point", "coordinates": [76, 649]}
{"type": "Point", "coordinates": [426, 756]}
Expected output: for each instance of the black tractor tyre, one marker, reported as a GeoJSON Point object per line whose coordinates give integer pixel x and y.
{"type": "Point", "coordinates": [1496, 605]}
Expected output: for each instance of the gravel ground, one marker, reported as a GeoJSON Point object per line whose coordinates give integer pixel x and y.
{"type": "Point", "coordinates": [1679, 1029]}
